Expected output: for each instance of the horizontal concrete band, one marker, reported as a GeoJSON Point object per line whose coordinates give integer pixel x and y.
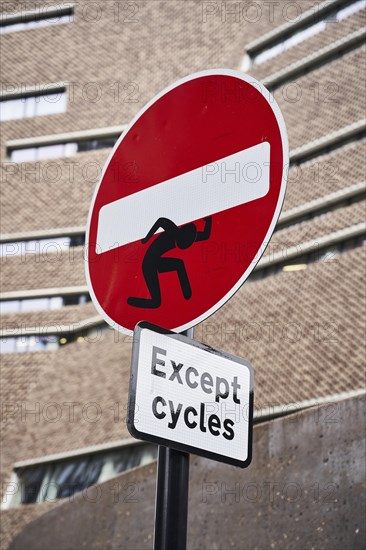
{"type": "Point", "coordinates": [324, 202]}
{"type": "Point", "coordinates": [314, 244]}
{"type": "Point", "coordinates": [113, 445]}
{"type": "Point", "coordinates": [43, 292]}
{"type": "Point", "coordinates": [47, 12]}
{"type": "Point", "coordinates": [307, 18]}
{"type": "Point", "coordinates": [39, 234]}
{"type": "Point", "coordinates": [52, 329]}
{"type": "Point", "coordinates": [292, 408]}
{"type": "Point", "coordinates": [350, 131]}
{"type": "Point", "coordinates": [53, 139]}
{"type": "Point", "coordinates": [315, 59]}
{"type": "Point", "coordinates": [35, 90]}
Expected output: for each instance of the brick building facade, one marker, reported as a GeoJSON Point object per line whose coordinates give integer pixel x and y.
{"type": "Point", "coordinates": [73, 75]}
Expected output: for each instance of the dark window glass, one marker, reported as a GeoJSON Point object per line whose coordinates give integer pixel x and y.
{"type": "Point", "coordinates": [95, 144]}
{"type": "Point", "coordinates": [54, 480]}
{"type": "Point", "coordinates": [77, 240]}
{"type": "Point", "coordinates": [31, 483]}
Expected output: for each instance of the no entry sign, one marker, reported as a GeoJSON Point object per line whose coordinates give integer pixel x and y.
{"type": "Point", "coordinates": [190, 397]}
{"type": "Point", "coordinates": [187, 202]}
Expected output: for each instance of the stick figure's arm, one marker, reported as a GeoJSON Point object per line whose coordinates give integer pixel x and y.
{"type": "Point", "coordinates": [205, 234]}
{"type": "Point", "coordinates": [163, 223]}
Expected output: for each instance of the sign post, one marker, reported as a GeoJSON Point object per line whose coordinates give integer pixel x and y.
{"type": "Point", "coordinates": [171, 508]}
{"type": "Point", "coordinates": [172, 488]}
{"type": "Point", "coordinates": [185, 207]}
{"type": "Point", "coordinates": [198, 397]}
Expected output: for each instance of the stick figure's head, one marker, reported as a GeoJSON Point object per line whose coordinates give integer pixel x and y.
{"type": "Point", "coordinates": [186, 235]}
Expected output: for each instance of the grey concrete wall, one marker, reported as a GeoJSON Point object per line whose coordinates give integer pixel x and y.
{"type": "Point", "coordinates": [304, 490]}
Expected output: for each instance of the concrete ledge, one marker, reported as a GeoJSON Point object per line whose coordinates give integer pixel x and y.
{"type": "Point", "coordinates": [53, 139]}
{"type": "Point", "coordinates": [328, 201]}
{"type": "Point", "coordinates": [43, 292]}
{"type": "Point", "coordinates": [316, 59]}
{"type": "Point", "coordinates": [46, 12]}
{"type": "Point", "coordinates": [35, 90]}
{"type": "Point", "coordinates": [309, 17]}
{"type": "Point", "coordinates": [317, 147]}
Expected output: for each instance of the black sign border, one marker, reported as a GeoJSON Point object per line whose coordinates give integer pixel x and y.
{"type": "Point", "coordinates": [166, 442]}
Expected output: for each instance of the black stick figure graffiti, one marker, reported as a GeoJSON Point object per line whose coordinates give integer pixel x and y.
{"type": "Point", "coordinates": [155, 263]}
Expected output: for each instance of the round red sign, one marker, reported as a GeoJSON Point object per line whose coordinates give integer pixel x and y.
{"type": "Point", "coordinates": [187, 202]}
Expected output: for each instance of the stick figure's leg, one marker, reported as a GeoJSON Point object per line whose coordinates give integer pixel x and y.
{"type": "Point", "coordinates": [174, 264]}
{"type": "Point", "coordinates": [151, 276]}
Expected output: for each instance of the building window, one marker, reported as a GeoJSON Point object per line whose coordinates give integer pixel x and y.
{"type": "Point", "coordinates": [40, 246]}
{"type": "Point", "coordinates": [301, 262]}
{"type": "Point", "coordinates": [43, 152]}
{"type": "Point", "coordinates": [26, 344]}
{"type": "Point", "coordinates": [44, 16]}
{"type": "Point", "coordinates": [42, 304]}
{"type": "Point", "coordinates": [33, 105]}
{"type": "Point", "coordinates": [290, 42]}
{"type": "Point", "coordinates": [354, 7]}
{"type": "Point", "coordinates": [46, 342]}
{"type": "Point", "coordinates": [259, 55]}
{"type": "Point", "coordinates": [49, 481]}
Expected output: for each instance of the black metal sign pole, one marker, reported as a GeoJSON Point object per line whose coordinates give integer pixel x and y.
{"type": "Point", "coordinates": [171, 506]}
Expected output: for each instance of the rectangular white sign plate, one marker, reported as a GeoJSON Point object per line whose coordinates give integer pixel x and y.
{"type": "Point", "coordinates": [189, 396]}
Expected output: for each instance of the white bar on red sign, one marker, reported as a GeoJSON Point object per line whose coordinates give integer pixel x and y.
{"type": "Point", "coordinates": [228, 182]}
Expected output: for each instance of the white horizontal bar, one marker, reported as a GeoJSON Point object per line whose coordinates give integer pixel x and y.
{"type": "Point", "coordinates": [215, 187]}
